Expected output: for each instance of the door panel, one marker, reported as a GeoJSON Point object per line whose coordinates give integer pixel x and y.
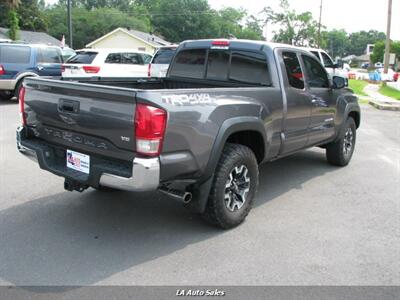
{"type": "Point", "coordinates": [322, 100]}
{"type": "Point", "coordinates": [298, 101]}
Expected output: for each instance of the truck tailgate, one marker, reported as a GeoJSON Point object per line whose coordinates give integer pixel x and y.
{"type": "Point", "coordinates": [83, 117]}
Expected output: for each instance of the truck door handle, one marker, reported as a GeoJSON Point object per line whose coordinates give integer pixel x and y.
{"type": "Point", "coordinates": [40, 68]}
{"type": "Point", "coordinates": [69, 106]}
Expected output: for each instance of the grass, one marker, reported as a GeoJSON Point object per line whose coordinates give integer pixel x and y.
{"type": "Point", "coordinates": [358, 86]}
{"type": "Point", "coordinates": [389, 92]}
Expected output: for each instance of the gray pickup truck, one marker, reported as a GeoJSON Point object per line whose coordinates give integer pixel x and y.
{"type": "Point", "coordinates": [199, 134]}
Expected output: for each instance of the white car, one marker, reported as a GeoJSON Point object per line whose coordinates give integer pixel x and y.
{"type": "Point", "coordinates": [330, 67]}
{"type": "Point", "coordinates": [158, 66]}
{"type": "Point", "coordinates": [107, 63]}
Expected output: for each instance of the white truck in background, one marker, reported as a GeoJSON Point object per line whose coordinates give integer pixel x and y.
{"type": "Point", "coordinates": [331, 68]}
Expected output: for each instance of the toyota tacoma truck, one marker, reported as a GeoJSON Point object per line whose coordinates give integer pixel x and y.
{"type": "Point", "coordinates": [200, 133]}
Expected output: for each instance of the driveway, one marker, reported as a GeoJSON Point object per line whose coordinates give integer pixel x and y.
{"type": "Point", "coordinates": [313, 224]}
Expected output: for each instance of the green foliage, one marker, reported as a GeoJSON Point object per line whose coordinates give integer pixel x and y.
{"type": "Point", "coordinates": [30, 15]}
{"type": "Point", "coordinates": [336, 42]}
{"type": "Point", "coordinates": [379, 50]}
{"type": "Point", "coordinates": [13, 25]}
{"type": "Point", "coordinates": [297, 29]}
{"type": "Point", "coordinates": [359, 40]}
{"type": "Point", "coordinates": [89, 25]}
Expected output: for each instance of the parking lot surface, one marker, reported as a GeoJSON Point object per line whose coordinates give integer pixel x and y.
{"type": "Point", "coordinates": [312, 224]}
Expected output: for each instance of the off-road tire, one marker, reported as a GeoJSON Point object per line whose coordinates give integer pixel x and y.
{"type": "Point", "coordinates": [217, 211]}
{"type": "Point", "coordinates": [335, 152]}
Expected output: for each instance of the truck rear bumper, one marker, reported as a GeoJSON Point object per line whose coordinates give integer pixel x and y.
{"type": "Point", "coordinates": [145, 176]}
{"type": "Point", "coordinates": [142, 174]}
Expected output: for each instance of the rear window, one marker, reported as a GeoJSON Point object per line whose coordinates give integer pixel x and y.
{"type": "Point", "coordinates": [15, 54]}
{"type": "Point", "coordinates": [163, 56]}
{"type": "Point", "coordinates": [85, 57]}
{"type": "Point", "coordinates": [190, 64]}
{"type": "Point", "coordinates": [217, 65]}
{"type": "Point", "coordinates": [223, 65]}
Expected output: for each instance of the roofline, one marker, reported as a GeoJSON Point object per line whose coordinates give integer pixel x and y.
{"type": "Point", "coordinates": [115, 30]}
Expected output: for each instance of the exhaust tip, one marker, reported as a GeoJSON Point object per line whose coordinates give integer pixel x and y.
{"type": "Point", "coordinates": [187, 197]}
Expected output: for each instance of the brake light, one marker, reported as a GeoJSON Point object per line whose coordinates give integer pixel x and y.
{"type": "Point", "coordinates": [21, 99]}
{"type": "Point", "coordinates": [91, 69]}
{"type": "Point", "coordinates": [150, 125]}
{"type": "Point", "coordinates": [220, 43]}
{"type": "Point", "coordinates": [62, 68]}
{"type": "Point", "coordinates": [149, 71]}
{"type": "Point", "coordinates": [2, 71]}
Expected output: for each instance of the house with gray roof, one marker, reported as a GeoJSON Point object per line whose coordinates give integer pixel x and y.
{"type": "Point", "coordinates": [31, 37]}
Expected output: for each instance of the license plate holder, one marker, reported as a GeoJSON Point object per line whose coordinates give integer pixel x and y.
{"type": "Point", "coordinates": [78, 161]}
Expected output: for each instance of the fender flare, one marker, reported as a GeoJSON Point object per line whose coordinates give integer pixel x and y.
{"type": "Point", "coordinates": [201, 189]}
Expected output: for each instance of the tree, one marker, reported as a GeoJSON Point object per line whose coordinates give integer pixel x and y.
{"type": "Point", "coordinates": [89, 25]}
{"type": "Point", "coordinates": [358, 41]}
{"type": "Point", "coordinates": [29, 12]}
{"type": "Point", "coordinates": [298, 29]}
{"type": "Point", "coordinates": [13, 19]}
{"type": "Point", "coordinates": [336, 42]}
{"type": "Point", "coordinates": [13, 25]}
{"type": "Point", "coordinates": [379, 50]}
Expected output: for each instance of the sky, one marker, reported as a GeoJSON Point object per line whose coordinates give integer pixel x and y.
{"type": "Point", "coordinates": [351, 15]}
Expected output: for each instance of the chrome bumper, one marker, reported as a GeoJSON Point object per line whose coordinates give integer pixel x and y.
{"type": "Point", "coordinates": [7, 84]}
{"type": "Point", "coordinates": [145, 171]}
{"type": "Point", "coordinates": [145, 176]}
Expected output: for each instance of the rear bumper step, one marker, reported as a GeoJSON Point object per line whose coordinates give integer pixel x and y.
{"type": "Point", "coordinates": [142, 174]}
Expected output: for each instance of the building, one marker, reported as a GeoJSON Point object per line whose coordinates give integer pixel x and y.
{"type": "Point", "coordinates": [31, 37]}
{"type": "Point", "coordinates": [129, 38]}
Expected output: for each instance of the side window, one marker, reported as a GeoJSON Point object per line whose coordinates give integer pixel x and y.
{"type": "Point", "coordinates": [327, 60]}
{"type": "Point", "coordinates": [293, 70]}
{"type": "Point", "coordinates": [131, 59]}
{"type": "Point", "coordinates": [316, 74]}
{"type": "Point", "coordinates": [189, 63]}
{"type": "Point", "coordinates": [316, 54]}
{"type": "Point", "coordinates": [113, 58]}
{"type": "Point", "coordinates": [217, 65]}
{"type": "Point", "coordinates": [146, 58]}
{"type": "Point", "coordinates": [15, 54]}
{"type": "Point", "coordinates": [249, 67]}
{"type": "Point", "coordinates": [49, 55]}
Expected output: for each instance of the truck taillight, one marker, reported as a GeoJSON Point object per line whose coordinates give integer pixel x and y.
{"type": "Point", "coordinates": [150, 125]}
{"type": "Point", "coordinates": [149, 71]}
{"type": "Point", "coordinates": [2, 71]}
{"type": "Point", "coordinates": [91, 69]}
{"type": "Point", "coordinates": [21, 99]}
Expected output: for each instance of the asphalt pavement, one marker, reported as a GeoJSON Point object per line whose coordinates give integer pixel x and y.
{"type": "Point", "coordinates": [312, 224]}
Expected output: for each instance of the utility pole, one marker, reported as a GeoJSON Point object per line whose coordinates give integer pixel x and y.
{"type": "Point", "coordinates": [319, 25]}
{"type": "Point", "coordinates": [387, 45]}
{"type": "Point", "coordinates": [69, 23]}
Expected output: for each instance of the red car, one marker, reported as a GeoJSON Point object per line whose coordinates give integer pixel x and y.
{"type": "Point", "coordinates": [396, 76]}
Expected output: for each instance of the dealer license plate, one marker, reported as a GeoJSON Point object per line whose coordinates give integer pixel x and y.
{"type": "Point", "coordinates": [78, 161]}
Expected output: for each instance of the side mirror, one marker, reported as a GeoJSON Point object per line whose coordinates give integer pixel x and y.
{"type": "Point", "coordinates": [338, 82]}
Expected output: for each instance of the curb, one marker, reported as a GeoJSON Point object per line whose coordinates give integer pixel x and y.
{"type": "Point", "coordinates": [385, 106]}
